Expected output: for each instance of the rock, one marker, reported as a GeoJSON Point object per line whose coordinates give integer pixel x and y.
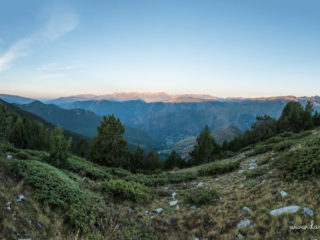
{"type": "Point", "coordinates": [177, 207]}
{"type": "Point", "coordinates": [84, 178]}
{"type": "Point", "coordinates": [270, 172]}
{"type": "Point", "coordinates": [173, 203]}
{"type": "Point", "coordinates": [253, 165]}
{"type": "Point", "coordinates": [193, 207]}
{"type": "Point", "coordinates": [24, 238]}
{"type": "Point", "coordinates": [200, 184]}
{"type": "Point", "coordinates": [21, 197]}
{"type": "Point", "coordinates": [173, 194]}
{"type": "Point", "coordinates": [166, 188]}
{"type": "Point", "coordinates": [244, 223]}
{"type": "Point", "coordinates": [221, 198]}
{"type": "Point", "coordinates": [219, 211]}
{"type": "Point", "coordinates": [196, 238]}
{"type": "Point", "coordinates": [283, 193]}
{"type": "Point", "coordinates": [147, 213]}
{"type": "Point", "coordinates": [246, 209]}
{"type": "Point", "coordinates": [8, 203]}
{"type": "Point", "coordinates": [308, 211]}
{"type": "Point", "coordinates": [240, 171]}
{"type": "Point", "coordinates": [159, 210]}
{"type": "Point", "coordinates": [288, 209]}
{"type": "Point", "coordinates": [9, 157]}
{"type": "Point", "coordinates": [241, 185]}
{"type": "Point", "coordinates": [9, 208]}
{"type": "Point", "coordinates": [130, 210]}
{"type": "Point", "coordinates": [264, 181]}
{"type": "Point", "coordinates": [39, 225]}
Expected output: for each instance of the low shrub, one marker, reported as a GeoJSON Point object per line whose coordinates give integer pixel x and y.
{"type": "Point", "coordinates": [201, 196]}
{"type": "Point", "coordinates": [83, 216]}
{"type": "Point", "coordinates": [302, 163]}
{"type": "Point", "coordinates": [282, 146]}
{"type": "Point", "coordinates": [256, 172]}
{"type": "Point", "coordinates": [218, 168]}
{"type": "Point", "coordinates": [52, 185]}
{"type": "Point", "coordinates": [126, 190]}
{"type": "Point", "coordinates": [262, 148]}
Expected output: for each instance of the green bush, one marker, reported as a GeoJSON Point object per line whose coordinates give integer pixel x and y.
{"type": "Point", "coordinates": [201, 196]}
{"type": "Point", "coordinates": [126, 190]}
{"type": "Point", "coordinates": [282, 146]}
{"type": "Point", "coordinates": [262, 148]}
{"type": "Point", "coordinates": [83, 216]}
{"type": "Point", "coordinates": [302, 163]}
{"type": "Point", "coordinates": [218, 168]}
{"type": "Point", "coordinates": [52, 185]}
{"type": "Point", "coordinates": [256, 172]}
{"type": "Point", "coordinates": [86, 168]}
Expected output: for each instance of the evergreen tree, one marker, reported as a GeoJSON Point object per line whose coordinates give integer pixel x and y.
{"type": "Point", "coordinates": [174, 160]}
{"type": "Point", "coordinates": [18, 134]}
{"type": "Point", "coordinates": [316, 119]}
{"type": "Point", "coordinates": [138, 159]}
{"type": "Point", "coordinates": [291, 118]}
{"type": "Point", "coordinates": [108, 147]}
{"type": "Point", "coordinates": [81, 148]}
{"type": "Point", "coordinates": [152, 161]}
{"type": "Point", "coordinates": [307, 116]}
{"type": "Point", "coordinates": [205, 148]}
{"type": "Point", "coordinates": [59, 147]}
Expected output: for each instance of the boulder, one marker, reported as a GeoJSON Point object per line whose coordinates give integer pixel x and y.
{"type": "Point", "coordinates": [173, 203]}
{"type": "Point", "coordinates": [246, 209]}
{"type": "Point", "coordinates": [200, 184]}
{"type": "Point", "coordinates": [308, 211]}
{"type": "Point", "coordinates": [283, 193]}
{"type": "Point", "coordinates": [20, 198]}
{"type": "Point", "coordinates": [9, 157]}
{"type": "Point", "coordinates": [173, 194]}
{"type": "Point", "coordinates": [288, 209]}
{"type": "Point", "coordinates": [159, 210]}
{"type": "Point", "coordinates": [244, 223]}
{"type": "Point", "coordinates": [264, 181]}
{"type": "Point", "coordinates": [193, 207]}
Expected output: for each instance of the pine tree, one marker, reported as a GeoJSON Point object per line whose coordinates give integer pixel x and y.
{"type": "Point", "coordinates": [205, 148]}
{"type": "Point", "coordinates": [59, 147]}
{"type": "Point", "coordinates": [108, 147]}
{"type": "Point", "coordinates": [291, 118]}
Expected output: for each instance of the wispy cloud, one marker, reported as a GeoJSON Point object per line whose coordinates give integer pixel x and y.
{"type": "Point", "coordinates": [54, 67]}
{"type": "Point", "coordinates": [59, 24]}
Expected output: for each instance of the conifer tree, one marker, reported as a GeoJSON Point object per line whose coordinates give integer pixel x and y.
{"type": "Point", "coordinates": [59, 147]}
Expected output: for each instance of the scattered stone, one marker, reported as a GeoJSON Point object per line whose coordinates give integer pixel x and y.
{"type": "Point", "coordinates": [159, 210]}
{"type": "Point", "coordinates": [166, 188]}
{"type": "Point", "coordinates": [308, 211]}
{"type": "Point", "coordinates": [270, 172]}
{"type": "Point", "coordinates": [288, 209]}
{"type": "Point", "coordinates": [244, 223]}
{"type": "Point", "coordinates": [24, 238]}
{"type": "Point", "coordinates": [84, 178]}
{"type": "Point", "coordinates": [196, 238]}
{"type": "Point", "coordinates": [173, 194]}
{"type": "Point", "coordinates": [147, 213]}
{"type": "Point", "coordinates": [173, 203]}
{"type": "Point", "coordinates": [253, 164]}
{"type": "Point", "coordinates": [193, 207]}
{"type": "Point", "coordinates": [264, 181]}
{"type": "Point", "coordinates": [246, 209]}
{"type": "Point", "coordinates": [30, 221]}
{"type": "Point", "coordinates": [20, 198]}
{"type": "Point", "coordinates": [39, 225]}
{"type": "Point", "coordinates": [283, 193]}
{"type": "Point", "coordinates": [9, 157]}
{"type": "Point", "coordinates": [177, 207]}
{"type": "Point", "coordinates": [217, 179]}
{"type": "Point", "coordinates": [241, 185]}
{"type": "Point", "coordinates": [8, 203]}
{"type": "Point", "coordinates": [200, 184]}
{"type": "Point", "coordinates": [130, 210]}
{"type": "Point", "coordinates": [221, 198]}
{"type": "Point", "coordinates": [219, 211]}
{"type": "Point", "coordinates": [9, 208]}
{"type": "Point", "coordinates": [240, 171]}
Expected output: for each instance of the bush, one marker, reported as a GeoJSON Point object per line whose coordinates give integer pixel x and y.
{"type": "Point", "coordinates": [83, 216]}
{"type": "Point", "coordinates": [302, 163]}
{"type": "Point", "coordinates": [127, 190]}
{"type": "Point", "coordinates": [256, 172]}
{"type": "Point", "coordinates": [218, 168]}
{"type": "Point", "coordinates": [282, 146]}
{"type": "Point", "coordinates": [86, 168]}
{"type": "Point", "coordinates": [201, 196]}
{"type": "Point", "coordinates": [262, 148]}
{"type": "Point", "coordinates": [52, 185]}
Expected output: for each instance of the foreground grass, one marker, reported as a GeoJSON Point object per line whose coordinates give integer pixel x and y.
{"type": "Point", "coordinates": [209, 206]}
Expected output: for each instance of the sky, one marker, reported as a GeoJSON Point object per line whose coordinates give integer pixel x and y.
{"type": "Point", "coordinates": [225, 48]}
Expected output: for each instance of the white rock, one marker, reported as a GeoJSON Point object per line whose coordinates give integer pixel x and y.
{"type": "Point", "coordinates": [240, 171]}
{"type": "Point", "coordinates": [246, 209]}
{"type": "Point", "coordinates": [196, 238]}
{"type": "Point", "coordinates": [147, 212]}
{"type": "Point", "coordinates": [288, 209]}
{"type": "Point", "coordinates": [173, 203]}
{"type": "Point", "coordinates": [239, 236]}
{"type": "Point", "coordinates": [166, 188]}
{"type": "Point", "coordinates": [8, 203]}
{"type": "Point", "coordinates": [9, 157]}
{"type": "Point", "coordinates": [193, 207]}
{"type": "Point", "coordinates": [308, 211]}
{"type": "Point", "coordinates": [264, 181]}
{"type": "Point", "coordinates": [173, 194]}
{"type": "Point", "coordinates": [24, 238]}
{"type": "Point", "coordinates": [130, 210]}
{"type": "Point", "coordinates": [177, 207]}
{"type": "Point", "coordinates": [200, 184]}
{"type": "Point", "coordinates": [221, 198]}
{"type": "Point", "coordinates": [270, 172]}
{"type": "Point", "coordinates": [20, 198]}
{"type": "Point", "coordinates": [244, 223]}
{"type": "Point", "coordinates": [219, 211]}
{"type": "Point", "coordinates": [283, 193]}
{"type": "Point", "coordinates": [9, 208]}
{"type": "Point", "coordinates": [241, 185]}
{"type": "Point", "coordinates": [159, 210]}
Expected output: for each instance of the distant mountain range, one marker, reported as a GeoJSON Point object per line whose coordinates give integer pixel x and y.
{"type": "Point", "coordinates": [15, 99]}
{"type": "Point", "coordinates": [158, 117]}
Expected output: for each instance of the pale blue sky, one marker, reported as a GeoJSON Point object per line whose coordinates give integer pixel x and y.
{"type": "Point", "coordinates": [236, 48]}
